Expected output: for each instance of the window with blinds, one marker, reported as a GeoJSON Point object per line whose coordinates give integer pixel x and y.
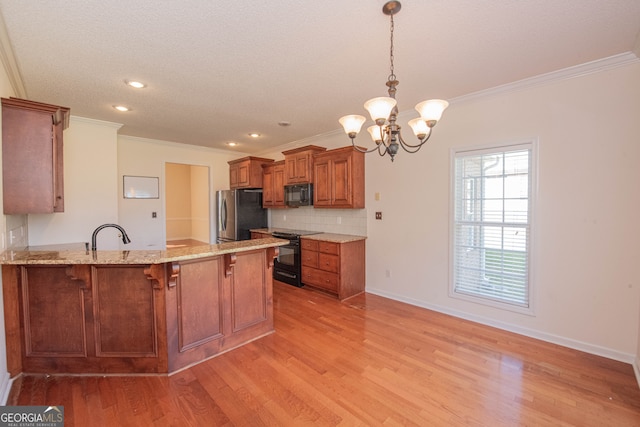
{"type": "Point", "coordinates": [492, 224]}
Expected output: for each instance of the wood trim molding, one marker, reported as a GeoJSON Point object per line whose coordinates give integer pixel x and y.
{"type": "Point", "coordinates": [272, 254]}
{"type": "Point", "coordinates": [173, 272]}
{"type": "Point", "coordinates": [155, 275]}
{"type": "Point", "coordinates": [9, 61]}
{"type": "Point", "coordinates": [229, 263]}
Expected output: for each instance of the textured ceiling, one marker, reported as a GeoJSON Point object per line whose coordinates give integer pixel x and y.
{"type": "Point", "coordinates": [218, 70]}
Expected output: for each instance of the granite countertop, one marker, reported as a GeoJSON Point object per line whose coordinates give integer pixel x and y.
{"type": "Point", "coordinates": [329, 237]}
{"type": "Point", "coordinates": [75, 253]}
{"type": "Point", "coordinates": [334, 237]}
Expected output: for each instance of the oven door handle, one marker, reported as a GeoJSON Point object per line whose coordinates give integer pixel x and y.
{"type": "Point", "coordinates": [285, 274]}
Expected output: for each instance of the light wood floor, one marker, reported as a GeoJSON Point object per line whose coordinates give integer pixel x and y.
{"type": "Point", "coordinates": [368, 361]}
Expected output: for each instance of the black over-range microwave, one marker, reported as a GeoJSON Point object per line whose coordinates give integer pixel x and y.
{"type": "Point", "coordinates": [298, 195]}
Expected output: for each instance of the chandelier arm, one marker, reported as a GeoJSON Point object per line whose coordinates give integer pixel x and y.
{"type": "Point", "coordinates": [357, 148]}
{"type": "Point", "coordinates": [404, 144]}
{"type": "Point", "coordinates": [410, 151]}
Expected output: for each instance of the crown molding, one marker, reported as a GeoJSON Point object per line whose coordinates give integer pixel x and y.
{"type": "Point", "coordinates": [9, 62]}
{"type": "Point", "coordinates": [596, 66]}
{"type": "Point", "coordinates": [96, 122]}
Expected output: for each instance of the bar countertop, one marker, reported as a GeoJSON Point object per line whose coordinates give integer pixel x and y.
{"type": "Point", "coordinates": [75, 253]}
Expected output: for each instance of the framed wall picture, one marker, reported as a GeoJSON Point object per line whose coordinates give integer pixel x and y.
{"type": "Point", "coordinates": [140, 187]}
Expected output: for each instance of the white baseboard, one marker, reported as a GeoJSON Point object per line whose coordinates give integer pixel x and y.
{"type": "Point", "coordinates": [555, 339]}
{"type": "Point", "coordinates": [636, 370]}
{"type": "Point", "coordinates": [5, 388]}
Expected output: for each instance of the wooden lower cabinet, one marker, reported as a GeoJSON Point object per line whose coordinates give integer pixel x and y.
{"type": "Point", "coordinates": [337, 268]}
{"type": "Point", "coordinates": [84, 319]}
{"type": "Point", "coordinates": [217, 304]}
{"type": "Point", "coordinates": [154, 318]}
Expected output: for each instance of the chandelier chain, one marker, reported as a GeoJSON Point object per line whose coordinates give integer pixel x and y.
{"type": "Point", "coordinates": [392, 76]}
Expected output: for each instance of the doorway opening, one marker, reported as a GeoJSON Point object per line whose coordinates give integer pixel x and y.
{"type": "Point", "coordinates": [188, 217]}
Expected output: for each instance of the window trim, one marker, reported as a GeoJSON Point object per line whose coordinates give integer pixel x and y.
{"type": "Point", "coordinates": [531, 144]}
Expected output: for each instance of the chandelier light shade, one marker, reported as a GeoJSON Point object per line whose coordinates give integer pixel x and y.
{"type": "Point", "coordinates": [380, 108]}
{"type": "Point", "coordinates": [352, 124]}
{"type": "Point", "coordinates": [384, 111]}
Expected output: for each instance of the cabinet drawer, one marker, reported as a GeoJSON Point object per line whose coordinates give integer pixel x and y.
{"type": "Point", "coordinates": [328, 262]}
{"type": "Point", "coordinates": [309, 258]}
{"type": "Point", "coordinates": [311, 245]}
{"type": "Point", "coordinates": [329, 247]}
{"type": "Point", "coordinates": [319, 278]}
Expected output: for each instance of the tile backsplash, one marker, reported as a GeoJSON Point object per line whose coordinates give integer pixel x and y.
{"type": "Point", "coordinates": [342, 221]}
{"type": "Point", "coordinates": [16, 233]}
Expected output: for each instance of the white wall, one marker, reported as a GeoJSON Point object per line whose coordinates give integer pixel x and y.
{"type": "Point", "coordinates": [5, 383]}
{"type": "Point", "coordinates": [585, 229]}
{"type": "Point", "coordinates": [145, 157]}
{"type": "Point", "coordinates": [90, 187]}
{"type": "Point", "coordinates": [201, 200]}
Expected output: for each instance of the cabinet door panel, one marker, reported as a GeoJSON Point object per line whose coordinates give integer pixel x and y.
{"type": "Point", "coordinates": [329, 247]}
{"type": "Point", "coordinates": [321, 279]}
{"type": "Point", "coordinates": [278, 185]}
{"type": "Point", "coordinates": [309, 258]}
{"type": "Point", "coordinates": [200, 310]}
{"type": "Point", "coordinates": [249, 290]}
{"type": "Point", "coordinates": [124, 312]}
{"type": "Point", "coordinates": [268, 195]}
{"type": "Point", "coordinates": [27, 157]}
{"type": "Point", "coordinates": [322, 183]}
{"type": "Point", "coordinates": [342, 192]}
{"type": "Point", "coordinates": [49, 293]}
{"type": "Point", "coordinates": [329, 262]}
{"type": "Point", "coordinates": [243, 174]}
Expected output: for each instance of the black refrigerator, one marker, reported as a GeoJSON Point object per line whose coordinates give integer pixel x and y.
{"type": "Point", "coordinates": [238, 212]}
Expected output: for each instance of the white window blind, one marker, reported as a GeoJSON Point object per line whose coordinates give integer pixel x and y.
{"type": "Point", "coordinates": [491, 224]}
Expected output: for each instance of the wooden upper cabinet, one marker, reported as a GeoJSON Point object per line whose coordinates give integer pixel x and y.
{"type": "Point", "coordinates": [273, 185]}
{"type": "Point", "coordinates": [299, 164]}
{"type": "Point", "coordinates": [246, 172]}
{"type": "Point", "coordinates": [32, 156]}
{"type": "Point", "coordinates": [339, 179]}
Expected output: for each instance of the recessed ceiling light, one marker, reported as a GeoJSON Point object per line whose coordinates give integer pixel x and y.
{"type": "Point", "coordinates": [254, 135]}
{"type": "Point", "coordinates": [122, 108]}
{"type": "Point", "coordinates": [284, 123]}
{"type": "Point", "coordinates": [137, 85]}
{"type": "Point", "coordinates": [232, 144]}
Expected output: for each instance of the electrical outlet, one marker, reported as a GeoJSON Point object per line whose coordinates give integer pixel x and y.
{"type": "Point", "coordinates": [154, 214]}
{"type": "Point", "coordinates": [378, 215]}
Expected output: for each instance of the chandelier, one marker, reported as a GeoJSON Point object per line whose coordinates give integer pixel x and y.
{"type": "Point", "coordinates": [384, 111]}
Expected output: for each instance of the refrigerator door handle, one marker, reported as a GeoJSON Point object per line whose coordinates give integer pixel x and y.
{"type": "Point", "coordinates": [223, 215]}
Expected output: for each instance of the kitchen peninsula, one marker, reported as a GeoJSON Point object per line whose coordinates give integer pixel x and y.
{"type": "Point", "coordinates": [71, 310]}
